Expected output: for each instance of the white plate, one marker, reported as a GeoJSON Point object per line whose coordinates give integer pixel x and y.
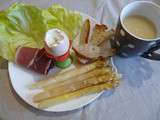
{"type": "Point", "coordinates": [21, 78]}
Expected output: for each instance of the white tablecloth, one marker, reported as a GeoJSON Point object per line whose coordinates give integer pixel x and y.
{"type": "Point", "coordinates": [137, 98]}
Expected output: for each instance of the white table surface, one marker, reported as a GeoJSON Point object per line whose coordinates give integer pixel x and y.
{"type": "Point", "coordinates": [137, 98]}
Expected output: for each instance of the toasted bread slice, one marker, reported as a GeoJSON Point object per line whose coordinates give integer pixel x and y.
{"type": "Point", "coordinates": [99, 34]}
{"type": "Point", "coordinates": [92, 52]}
{"type": "Point", "coordinates": [85, 32]}
{"type": "Point", "coordinates": [97, 46]}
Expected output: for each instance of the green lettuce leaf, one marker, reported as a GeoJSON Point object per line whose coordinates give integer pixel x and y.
{"type": "Point", "coordinates": [26, 25]}
{"type": "Point", "coordinates": [58, 17]}
{"type": "Point", "coordinates": [20, 25]}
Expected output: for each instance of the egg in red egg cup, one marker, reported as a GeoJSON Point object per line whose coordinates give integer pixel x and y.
{"type": "Point", "coordinates": [58, 58]}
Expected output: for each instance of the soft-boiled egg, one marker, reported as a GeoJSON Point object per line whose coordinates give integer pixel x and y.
{"type": "Point", "coordinates": [57, 42]}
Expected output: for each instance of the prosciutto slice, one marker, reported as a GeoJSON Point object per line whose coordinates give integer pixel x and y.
{"type": "Point", "coordinates": [34, 59]}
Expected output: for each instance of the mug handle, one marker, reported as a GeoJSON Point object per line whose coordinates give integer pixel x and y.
{"type": "Point", "coordinates": [151, 54]}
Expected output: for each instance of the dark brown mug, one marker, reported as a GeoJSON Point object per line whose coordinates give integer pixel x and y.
{"type": "Point", "coordinates": [129, 45]}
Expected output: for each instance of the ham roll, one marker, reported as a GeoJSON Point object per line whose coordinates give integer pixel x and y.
{"type": "Point", "coordinates": [33, 59]}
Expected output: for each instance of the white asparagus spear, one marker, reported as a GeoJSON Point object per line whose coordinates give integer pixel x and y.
{"type": "Point", "coordinates": [69, 96]}
{"type": "Point", "coordinates": [75, 85]}
{"type": "Point", "coordinates": [93, 73]}
{"type": "Point", "coordinates": [68, 74]}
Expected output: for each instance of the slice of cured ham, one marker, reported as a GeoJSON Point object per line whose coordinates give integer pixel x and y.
{"type": "Point", "coordinates": [34, 59]}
